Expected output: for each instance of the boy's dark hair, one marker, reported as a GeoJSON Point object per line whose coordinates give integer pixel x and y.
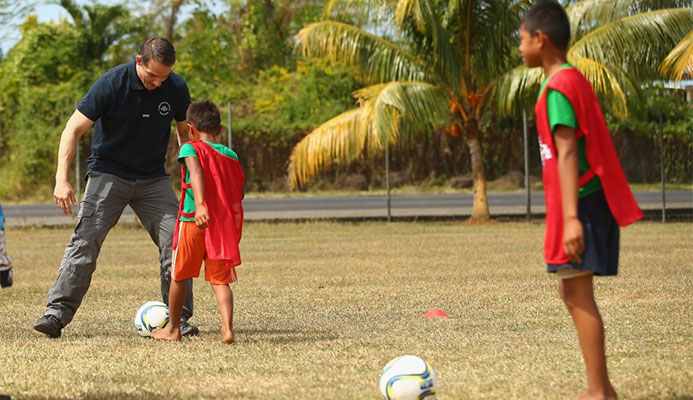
{"type": "Point", "coordinates": [204, 115]}
{"type": "Point", "coordinates": [159, 50]}
{"type": "Point", "coordinates": [549, 17]}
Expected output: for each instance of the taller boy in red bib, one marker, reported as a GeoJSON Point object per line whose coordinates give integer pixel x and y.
{"type": "Point", "coordinates": [587, 195]}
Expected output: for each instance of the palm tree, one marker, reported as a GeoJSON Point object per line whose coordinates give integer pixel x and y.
{"type": "Point", "coordinates": [442, 62]}
{"type": "Point", "coordinates": [430, 63]}
{"type": "Point", "coordinates": [680, 60]}
{"type": "Point", "coordinates": [616, 44]}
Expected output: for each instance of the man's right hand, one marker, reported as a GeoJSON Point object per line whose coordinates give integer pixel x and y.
{"type": "Point", "coordinates": [64, 196]}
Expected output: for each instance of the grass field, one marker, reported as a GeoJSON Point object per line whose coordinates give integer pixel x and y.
{"type": "Point", "coordinates": [322, 307]}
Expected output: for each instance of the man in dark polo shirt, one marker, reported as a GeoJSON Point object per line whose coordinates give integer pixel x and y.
{"type": "Point", "coordinates": [132, 107]}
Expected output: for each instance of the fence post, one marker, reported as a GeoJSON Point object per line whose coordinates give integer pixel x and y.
{"type": "Point", "coordinates": [528, 197]}
{"type": "Point", "coordinates": [662, 161]}
{"type": "Point", "coordinates": [387, 180]}
{"type": "Point", "coordinates": [229, 121]}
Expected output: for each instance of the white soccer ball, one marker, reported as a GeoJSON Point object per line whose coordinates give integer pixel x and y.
{"type": "Point", "coordinates": [408, 378]}
{"type": "Point", "coordinates": [152, 315]}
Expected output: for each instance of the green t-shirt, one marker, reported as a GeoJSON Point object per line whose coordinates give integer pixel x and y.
{"type": "Point", "coordinates": [561, 112]}
{"type": "Point", "coordinates": [187, 150]}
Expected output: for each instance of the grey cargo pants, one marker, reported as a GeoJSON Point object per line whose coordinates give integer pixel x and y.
{"type": "Point", "coordinates": [105, 198]}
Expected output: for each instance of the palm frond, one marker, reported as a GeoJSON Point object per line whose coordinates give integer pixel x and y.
{"type": "Point", "coordinates": [604, 82]}
{"type": "Point", "coordinates": [400, 111]}
{"type": "Point", "coordinates": [74, 10]}
{"type": "Point", "coordinates": [453, 8]}
{"type": "Point", "coordinates": [493, 49]}
{"type": "Point", "coordinates": [378, 60]}
{"type": "Point", "coordinates": [609, 56]}
{"type": "Point", "coordinates": [680, 59]}
{"type": "Point", "coordinates": [393, 112]}
{"type": "Point", "coordinates": [444, 58]}
{"type": "Point", "coordinates": [341, 138]}
{"type": "Point", "coordinates": [520, 86]}
{"type": "Point", "coordinates": [357, 12]}
{"type": "Point", "coordinates": [418, 10]}
{"type": "Point", "coordinates": [485, 34]}
{"type": "Point", "coordinates": [622, 42]}
{"type": "Point", "coordinates": [586, 15]}
{"type": "Point", "coordinates": [517, 88]}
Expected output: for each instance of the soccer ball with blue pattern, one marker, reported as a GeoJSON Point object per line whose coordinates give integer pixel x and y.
{"type": "Point", "coordinates": [408, 378]}
{"type": "Point", "coordinates": [152, 315]}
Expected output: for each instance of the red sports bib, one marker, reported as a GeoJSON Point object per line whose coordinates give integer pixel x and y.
{"type": "Point", "coordinates": [600, 154]}
{"type": "Point", "coordinates": [223, 177]}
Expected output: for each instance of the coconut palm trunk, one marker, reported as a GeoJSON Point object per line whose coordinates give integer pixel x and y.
{"type": "Point", "coordinates": [480, 211]}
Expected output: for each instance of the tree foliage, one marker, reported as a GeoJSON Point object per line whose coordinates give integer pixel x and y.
{"type": "Point", "coordinates": [42, 78]}
{"type": "Point", "coordinates": [39, 81]}
{"type": "Point", "coordinates": [607, 47]}
{"type": "Point", "coordinates": [242, 54]}
{"type": "Point", "coordinates": [413, 69]}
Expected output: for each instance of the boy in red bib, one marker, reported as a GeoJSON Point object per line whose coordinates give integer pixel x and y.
{"type": "Point", "coordinates": [587, 195]}
{"type": "Point", "coordinates": [210, 219]}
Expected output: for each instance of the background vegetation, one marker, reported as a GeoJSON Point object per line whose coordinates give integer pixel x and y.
{"type": "Point", "coordinates": [244, 52]}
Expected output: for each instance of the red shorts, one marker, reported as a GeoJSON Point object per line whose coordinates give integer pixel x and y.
{"type": "Point", "coordinates": [188, 256]}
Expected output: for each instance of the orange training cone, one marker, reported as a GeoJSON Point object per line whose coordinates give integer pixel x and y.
{"type": "Point", "coordinates": [436, 313]}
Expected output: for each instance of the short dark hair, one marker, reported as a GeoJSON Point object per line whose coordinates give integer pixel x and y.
{"type": "Point", "coordinates": [549, 17]}
{"type": "Point", "coordinates": [204, 115]}
{"type": "Point", "coordinates": [158, 49]}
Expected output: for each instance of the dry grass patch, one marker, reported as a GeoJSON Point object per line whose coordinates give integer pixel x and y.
{"type": "Point", "coordinates": [321, 307]}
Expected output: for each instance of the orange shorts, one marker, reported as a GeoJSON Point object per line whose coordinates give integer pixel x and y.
{"type": "Point", "coordinates": [188, 256]}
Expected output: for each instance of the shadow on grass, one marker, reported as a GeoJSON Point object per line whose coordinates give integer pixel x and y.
{"type": "Point", "coordinates": [100, 396]}
{"type": "Point", "coordinates": [279, 336]}
{"type": "Point", "coordinates": [284, 336]}
{"type": "Point", "coordinates": [670, 397]}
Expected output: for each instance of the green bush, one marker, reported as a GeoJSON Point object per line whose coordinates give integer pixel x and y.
{"type": "Point", "coordinates": [638, 137]}
{"type": "Point", "coordinates": [41, 79]}
{"type": "Point", "coordinates": [272, 114]}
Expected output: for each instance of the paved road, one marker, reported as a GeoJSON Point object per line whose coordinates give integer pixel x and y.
{"type": "Point", "coordinates": [360, 207]}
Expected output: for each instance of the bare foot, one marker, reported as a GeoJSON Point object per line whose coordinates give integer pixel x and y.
{"type": "Point", "coordinates": [227, 336]}
{"type": "Point", "coordinates": [166, 333]}
{"type": "Point", "coordinates": [586, 395]}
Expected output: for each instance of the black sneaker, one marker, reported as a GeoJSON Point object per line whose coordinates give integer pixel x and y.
{"type": "Point", "coordinates": [50, 325]}
{"type": "Point", "coordinates": [6, 277]}
{"type": "Point", "coordinates": [188, 330]}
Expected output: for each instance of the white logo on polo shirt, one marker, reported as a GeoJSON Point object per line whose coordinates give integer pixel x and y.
{"type": "Point", "coordinates": [164, 108]}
